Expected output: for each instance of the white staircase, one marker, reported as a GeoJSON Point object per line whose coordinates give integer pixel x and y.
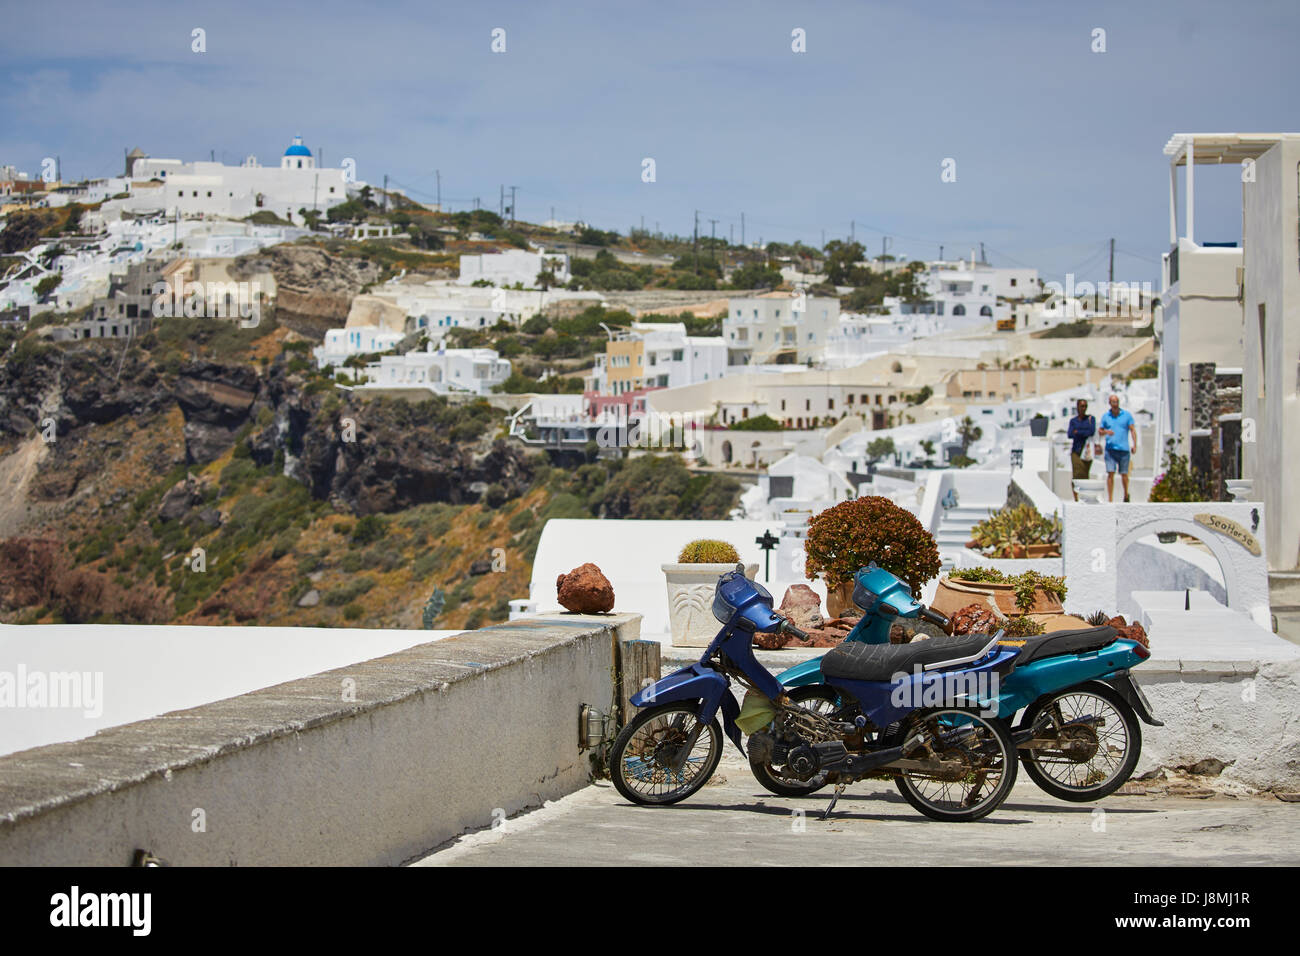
{"type": "Point", "coordinates": [955, 527]}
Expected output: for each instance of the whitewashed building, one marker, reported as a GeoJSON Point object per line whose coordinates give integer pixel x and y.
{"type": "Point", "coordinates": [514, 266]}
{"type": "Point", "coordinates": [440, 370]}
{"type": "Point", "coordinates": [778, 326]}
{"type": "Point", "coordinates": [657, 355]}
{"type": "Point", "coordinates": [215, 189]}
{"type": "Point", "coordinates": [342, 344]}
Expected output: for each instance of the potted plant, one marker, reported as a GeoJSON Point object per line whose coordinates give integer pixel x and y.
{"type": "Point", "coordinates": [1179, 481]}
{"type": "Point", "coordinates": [1017, 531]}
{"type": "Point", "coordinates": [1038, 425]}
{"type": "Point", "coordinates": [690, 589]}
{"type": "Point", "coordinates": [1011, 595]}
{"type": "Point", "coordinates": [852, 534]}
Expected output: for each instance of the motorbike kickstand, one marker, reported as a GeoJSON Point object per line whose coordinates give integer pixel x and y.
{"type": "Point", "coordinates": [839, 788]}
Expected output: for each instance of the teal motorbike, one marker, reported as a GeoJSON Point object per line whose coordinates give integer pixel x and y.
{"type": "Point", "coordinates": [1078, 736]}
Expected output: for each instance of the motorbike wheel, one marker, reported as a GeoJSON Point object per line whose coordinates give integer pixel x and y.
{"type": "Point", "coordinates": [991, 755]}
{"type": "Point", "coordinates": [1115, 747]}
{"type": "Point", "coordinates": [645, 753]}
{"type": "Point", "coordinates": [816, 697]}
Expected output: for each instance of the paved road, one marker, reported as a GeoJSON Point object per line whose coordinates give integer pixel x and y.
{"type": "Point", "coordinates": [733, 821]}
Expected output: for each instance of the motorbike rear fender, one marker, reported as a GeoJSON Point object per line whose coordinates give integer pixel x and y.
{"type": "Point", "coordinates": [1127, 688]}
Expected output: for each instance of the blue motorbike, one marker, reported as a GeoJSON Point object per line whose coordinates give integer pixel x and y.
{"type": "Point", "coordinates": [1078, 738]}
{"type": "Point", "coordinates": [914, 713]}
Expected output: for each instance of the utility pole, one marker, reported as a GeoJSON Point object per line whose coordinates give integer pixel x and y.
{"type": "Point", "coordinates": [695, 243]}
{"type": "Point", "coordinates": [513, 213]}
{"type": "Point", "coordinates": [982, 259]}
{"type": "Point", "coordinates": [501, 202]}
{"type": "Point", "coordinates": [1110, 274]}
{"type": "Point", "coordinates": [713, 241]}
{"type": "Point", "coordinates": [385, 192]}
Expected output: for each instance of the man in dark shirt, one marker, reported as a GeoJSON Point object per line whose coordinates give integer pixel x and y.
{"type": "Point", "coordinates": [1081, 429]}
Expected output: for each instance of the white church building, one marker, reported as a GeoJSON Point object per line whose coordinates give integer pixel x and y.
{"type": "Point", "coordinates": [215, 189]}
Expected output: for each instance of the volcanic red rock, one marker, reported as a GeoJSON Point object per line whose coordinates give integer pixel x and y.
{"type": "Point", "coordinates": [585, 590]}
{"type": "Point", "coordinates": [803, 606]}
{"type": "Point", "coordinates": [974, 619]}
{"type": "Point", "coordinates": [1130, 632]}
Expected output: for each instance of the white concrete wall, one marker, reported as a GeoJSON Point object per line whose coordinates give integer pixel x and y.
{"type": "Point", "coordinates": [1239, 711]}
{"type": "Point", "coordinates": [1271, 368]}
{"type": "Point", "coordinates": [440, 738]}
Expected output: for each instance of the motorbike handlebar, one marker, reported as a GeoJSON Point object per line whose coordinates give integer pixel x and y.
{"type": "Point", "coordinates": [934, 617]}
{"type": "Point", "coordinates": [791, 629]}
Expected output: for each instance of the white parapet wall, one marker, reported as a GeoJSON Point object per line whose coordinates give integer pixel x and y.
{"type": "Point", "coordinates": [1225, 689]}
{"type": "Point", "coordinates": [374, 763]}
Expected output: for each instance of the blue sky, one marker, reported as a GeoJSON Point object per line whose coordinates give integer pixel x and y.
{"type": "Point", "coordinates": [1057, 148]}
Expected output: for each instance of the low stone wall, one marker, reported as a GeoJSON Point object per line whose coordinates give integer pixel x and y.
{"type": "Point", "coordinates": [1242, 713]}
{"type": "Point", "coordinates": [371, 764]}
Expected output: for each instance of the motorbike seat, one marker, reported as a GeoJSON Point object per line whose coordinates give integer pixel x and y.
{"type": "Point", "coordinates": [1078, 641]}
{"type": "Point", "coordinates": [854, 660]}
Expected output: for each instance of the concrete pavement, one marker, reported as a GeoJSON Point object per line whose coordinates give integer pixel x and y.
{"type": "Point", "coordinates": [733, 821]}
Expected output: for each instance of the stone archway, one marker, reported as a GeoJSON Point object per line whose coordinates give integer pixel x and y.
{"type": "Point", "coordinates": [1097, 535]}
{"type": "Point", "coordinates": [1218, 547]}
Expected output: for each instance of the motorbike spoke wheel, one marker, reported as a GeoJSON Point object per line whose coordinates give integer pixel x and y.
{"type": "Point", "coordinates": [665, 754]}
{"type": "Point", "coordinates": [984, 766]}
{"type": "Point", "coordinates": [1099, 743]}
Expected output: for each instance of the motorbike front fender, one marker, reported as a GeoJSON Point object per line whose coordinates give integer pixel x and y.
{"type": "Point", "coordinates": [696, 682]}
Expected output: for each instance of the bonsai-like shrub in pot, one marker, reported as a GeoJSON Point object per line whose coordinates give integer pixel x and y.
{"type": "Point", "coordinates": [854, 533]}
{"type": "Point", "coordinates": [690, 589]}
{"type": "Point", "coordinates": [1018, 531]}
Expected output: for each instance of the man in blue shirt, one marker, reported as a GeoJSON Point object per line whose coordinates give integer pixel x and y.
{"type": "Point", "coordinates": [1121, 438]}
{"type": "Point", "coordinates": [1081, 429]}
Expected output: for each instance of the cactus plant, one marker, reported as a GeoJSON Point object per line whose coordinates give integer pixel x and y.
{"type": "Point", "coordinates": [708, 551]}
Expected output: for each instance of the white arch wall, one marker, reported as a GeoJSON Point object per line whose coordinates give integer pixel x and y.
{"type": "Point", "coordinates": [1094, 535]}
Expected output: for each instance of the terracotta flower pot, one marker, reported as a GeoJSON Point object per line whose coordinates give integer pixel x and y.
{"type": "Point", "coordinates": [839, 599]}
{"type": "Point", "coordinates": [1042, 550]}
{"type": "Point", "coordinates": [953, 595]}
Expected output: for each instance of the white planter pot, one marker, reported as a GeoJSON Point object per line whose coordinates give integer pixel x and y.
{"type": "Point", "coordinates": [690, 601]}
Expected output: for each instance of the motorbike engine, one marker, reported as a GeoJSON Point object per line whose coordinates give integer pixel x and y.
{"type": "Point", "coordinates": [802, 761]}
